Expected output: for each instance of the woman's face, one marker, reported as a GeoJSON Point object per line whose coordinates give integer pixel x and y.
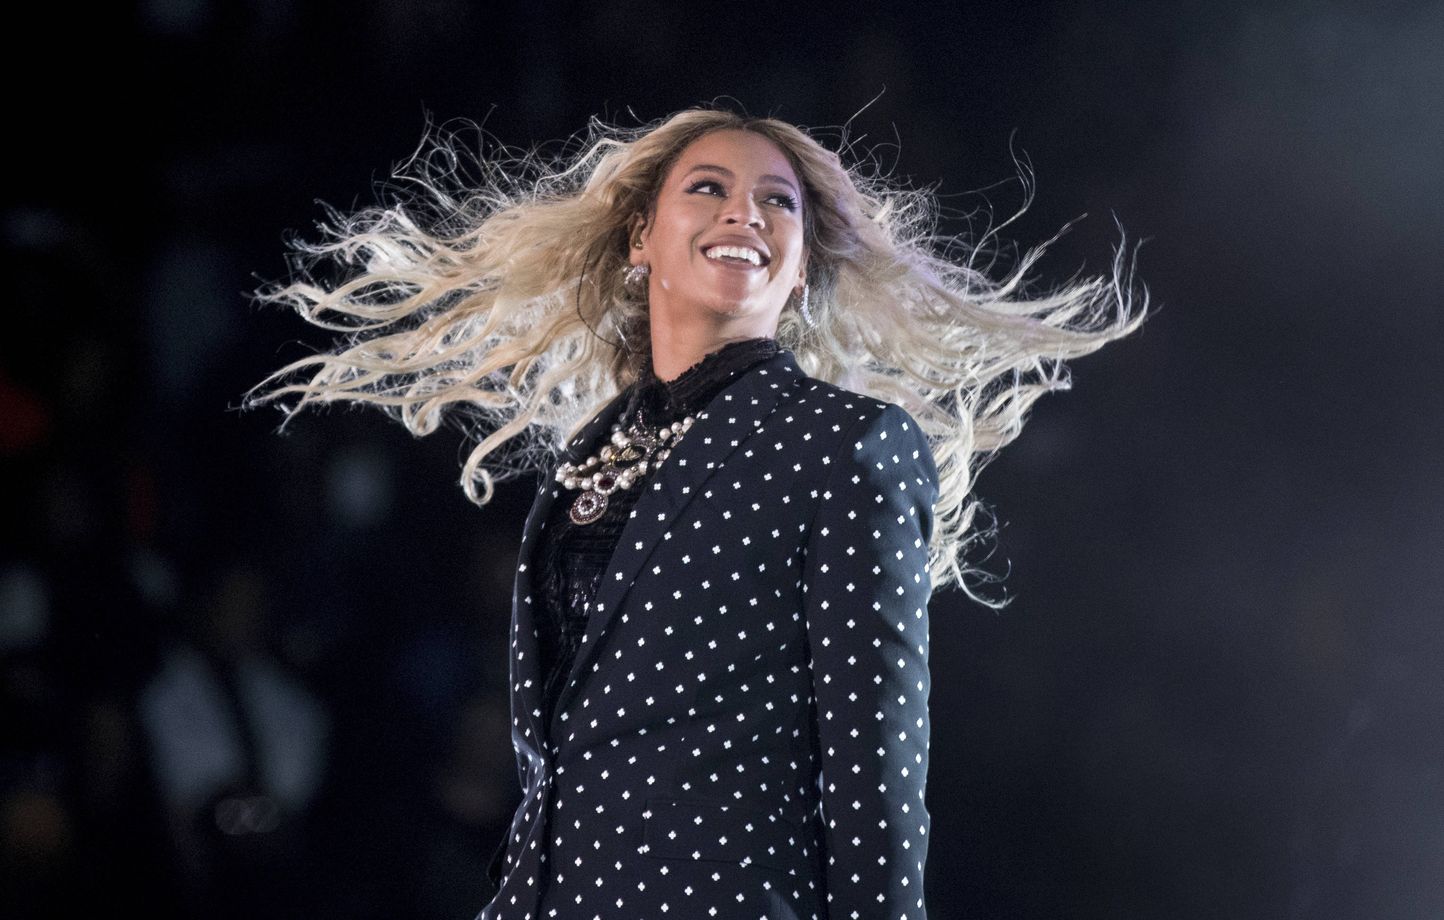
{"type": "Point", "coordinates": [725, 240]}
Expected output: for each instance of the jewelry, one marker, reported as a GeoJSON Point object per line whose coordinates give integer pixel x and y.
{"type": "Point", "coordinates": [636, 274]}
{"type": "Point", "coordinates": [618, 465]}
{"type": "Point", "coordinates": [802, 308]}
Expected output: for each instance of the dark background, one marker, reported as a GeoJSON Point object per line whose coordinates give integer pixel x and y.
{"type": "Point", "coordinates": [1217, 692]}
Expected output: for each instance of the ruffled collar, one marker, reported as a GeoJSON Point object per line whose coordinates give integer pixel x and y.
{"type": "Point", "coordinates": [664, 401]}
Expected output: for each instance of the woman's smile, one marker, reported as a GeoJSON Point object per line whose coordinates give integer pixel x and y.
{"type": "Point", "coordinates": [735, 256]}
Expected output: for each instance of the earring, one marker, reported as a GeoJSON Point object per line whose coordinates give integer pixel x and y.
{"type": "Point", "coordinates": [802, 308]}
{"type": "Point", "coordinates": [636, 275]}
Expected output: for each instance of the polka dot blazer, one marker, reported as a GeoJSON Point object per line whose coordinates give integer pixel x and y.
{"type": "Point", "coordinates": [744, 731]}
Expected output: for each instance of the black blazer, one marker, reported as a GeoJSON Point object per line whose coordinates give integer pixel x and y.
{"type": "Point", "coordinates": [744, 731]}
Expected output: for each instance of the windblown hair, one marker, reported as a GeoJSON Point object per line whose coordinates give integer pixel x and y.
{"type": "Point", "coordinates": [500, 304]}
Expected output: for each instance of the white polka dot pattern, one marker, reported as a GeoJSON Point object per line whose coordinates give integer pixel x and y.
{"type": "Point", "coordinates": [867, 591]}
{"type": "Point", "coordinates": [743, 733]}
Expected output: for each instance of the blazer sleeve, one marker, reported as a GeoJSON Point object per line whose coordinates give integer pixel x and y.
{"type": "Point", "coordinates": [866, 590]}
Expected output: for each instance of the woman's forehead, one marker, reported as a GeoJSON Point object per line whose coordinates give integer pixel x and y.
{"type": "Point", "coordinates": [736, 151]}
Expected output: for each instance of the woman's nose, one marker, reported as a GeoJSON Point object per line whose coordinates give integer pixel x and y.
{"type": "Point", "coordinates": [741, 209]}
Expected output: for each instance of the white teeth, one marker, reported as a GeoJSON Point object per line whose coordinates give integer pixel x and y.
{"type": "Point", "coordinates": [735, 252]}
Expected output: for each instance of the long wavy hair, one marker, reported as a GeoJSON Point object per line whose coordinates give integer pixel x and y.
{"type": "Point", "coordinates": [497, 303]}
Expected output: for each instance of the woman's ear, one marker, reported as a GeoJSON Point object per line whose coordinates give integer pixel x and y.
{"type": "Point", "coordinates": [802, 271]}
{"type": "Point", "coordinates": [636, 240]}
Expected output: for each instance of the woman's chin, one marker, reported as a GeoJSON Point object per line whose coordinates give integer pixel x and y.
{"type": "Point", "coordinates": [737, 304]}
{"type": "Point", "coordinates": [744, 311]}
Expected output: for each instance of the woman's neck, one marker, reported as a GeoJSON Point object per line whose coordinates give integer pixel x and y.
{"type": "Point", "coordinates": [661, 401]}
{"type": "Point", "coordinates": [673, 351]}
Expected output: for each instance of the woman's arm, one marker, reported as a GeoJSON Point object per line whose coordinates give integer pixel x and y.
{"type": "Point", "coordinates": [866, 595]}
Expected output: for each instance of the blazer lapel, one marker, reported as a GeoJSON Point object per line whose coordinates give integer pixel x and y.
{"type": "Point", "coordinates": [529, 680]}
{"type": "Point", "coordinates": [730, 418]}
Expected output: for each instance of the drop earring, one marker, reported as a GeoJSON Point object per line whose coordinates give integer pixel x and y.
{"type": "Point", "coordinates": [636, 275]}
{"type": "Point", "coordinates": [802, 308]}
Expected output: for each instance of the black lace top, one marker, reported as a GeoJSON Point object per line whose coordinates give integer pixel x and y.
{"type": "Point", "coordinates": [573, 557]}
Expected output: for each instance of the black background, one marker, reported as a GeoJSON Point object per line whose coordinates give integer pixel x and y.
{"type": "Point", "coordinates": [1217, 689]}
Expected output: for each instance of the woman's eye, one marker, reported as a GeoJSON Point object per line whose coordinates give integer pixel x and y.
{"type": "Point", "coordinates": [713, 187]}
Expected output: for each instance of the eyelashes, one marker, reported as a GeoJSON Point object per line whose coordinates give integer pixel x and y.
{"type": "Point", "coordinates": [780, 199]}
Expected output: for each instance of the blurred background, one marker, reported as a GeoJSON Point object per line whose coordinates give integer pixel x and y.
{"type": "Point", "coordinates": [243, 672]}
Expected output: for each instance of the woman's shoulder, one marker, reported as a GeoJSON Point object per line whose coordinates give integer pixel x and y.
{"type": "Point", "coordinates": [840, 403]}
{"type": "Point", "coordinates": [827, 416]}
{"type": "Point", "coordinates": [861, 426]}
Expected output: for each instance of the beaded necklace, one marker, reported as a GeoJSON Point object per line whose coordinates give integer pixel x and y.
{"type": "Point", "coordinates": [636, 446]}
{"type": "Point", "coordinates": [618, 465]}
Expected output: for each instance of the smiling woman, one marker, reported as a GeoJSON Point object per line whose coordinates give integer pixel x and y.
{"type": "Point", "coordinates": [758, 392]}
{"type": "Point", "coordinates": [723, 246]}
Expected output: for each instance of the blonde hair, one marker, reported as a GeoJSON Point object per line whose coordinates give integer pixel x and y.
{"type": "Point", "coordinates": [503, 297]}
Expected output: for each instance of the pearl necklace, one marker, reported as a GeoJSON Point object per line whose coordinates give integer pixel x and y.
{"type": "Point", "coordinates": [618, 465]}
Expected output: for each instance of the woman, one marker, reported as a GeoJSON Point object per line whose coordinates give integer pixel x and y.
{"type": "Point", "coordinates": [719, 668]}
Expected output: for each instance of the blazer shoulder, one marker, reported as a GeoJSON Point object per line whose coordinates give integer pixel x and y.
{"type": "Point", "coordinates": [864, 427]}
{"type": "Point", "coordinates": [843, 404]}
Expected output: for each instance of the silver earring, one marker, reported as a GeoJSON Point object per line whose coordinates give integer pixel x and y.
{"type": "Point", "coordinates": [802, 308]}
{"type": "Point", "coordinates": [636, 275]}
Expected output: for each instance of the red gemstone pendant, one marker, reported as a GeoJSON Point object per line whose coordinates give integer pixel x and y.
{"type": "Point", "coordinates": [588, 507]}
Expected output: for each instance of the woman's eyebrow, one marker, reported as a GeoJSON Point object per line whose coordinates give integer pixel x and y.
{"type": "Point", "coordinates": [729, 174]}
